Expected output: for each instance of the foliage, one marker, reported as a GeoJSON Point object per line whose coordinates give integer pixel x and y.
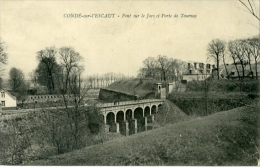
{"type": "Point", "coordinates": [15, 140]}
{"type": "Point", "coordinates": [3, 56]}
{"type": "Point", "coordinates": [225, 138]}
{"type": "Point", "coordinates": [226, 86]}
{"type": "Point", "coordinates": [16, 79]}
{"type": "Point", "coordinates": [48, 70]}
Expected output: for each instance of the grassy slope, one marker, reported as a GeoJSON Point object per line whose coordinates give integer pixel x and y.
{"type": "Point", "coordinates": [134, 86]}
{"type": "Point", "coordinates": [224, 138]}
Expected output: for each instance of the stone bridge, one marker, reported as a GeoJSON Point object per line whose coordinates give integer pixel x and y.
{"type": "Point", "coordinates": [128, 114]}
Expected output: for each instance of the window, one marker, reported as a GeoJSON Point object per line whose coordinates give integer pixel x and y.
{"type": "Point", "coordinates": [3, 103]}
{"type": "Point", "coordinates": [3, 94]}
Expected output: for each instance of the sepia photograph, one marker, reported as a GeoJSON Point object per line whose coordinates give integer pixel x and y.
{"type": "Point", "coordinates": [129, 83]}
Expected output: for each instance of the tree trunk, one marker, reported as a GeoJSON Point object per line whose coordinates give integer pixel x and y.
{"type": "Point", "coordinates": [250, 66]}
{"type": "Point", "coordinates": [256, 69]}
{"type": "Point", "coordinates": [225, 66]}
{"type": "Point", "coordinates": [243, 69]}
{"type": "Point", "coordinates": [236, 68]}
{"type": "Point", "coordinates": [218, 66]}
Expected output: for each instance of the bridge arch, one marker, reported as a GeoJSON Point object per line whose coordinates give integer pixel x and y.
{"type": "Point", "coordinates": [129, 114]}
{"type": "Point", "coordinates": [120, 116]}
{"type": "Point", "coordinates": [159, 107]}
{"type": "Point", "coordinates": [110, 118]}
{"type": "Point", "coordinates": [138, 112]}
{"type": "Point", "coordinates": [154, 109]}
{"type": "Point", "coordinates": [147, 111]}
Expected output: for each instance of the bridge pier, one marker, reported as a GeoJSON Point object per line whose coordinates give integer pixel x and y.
{"type": "Point", "coordinates": [125, 128]}
{"type": "Point", "coordinates": [106, 128]}
{"type": "Point", "coordinates": [152, 116]}
{"type": "Point", "coordinates": [105, 118]}
{"type": "Point", "coordinates": [128, 124]}
{"type": "Point", "coordinates": [133, 127]}
{"type": "Point", "coordinates": [150, 119]}
{"type": "Point", "coordinates": [145, 121]}
{"type": "Point", "coordinates": [117, 127]}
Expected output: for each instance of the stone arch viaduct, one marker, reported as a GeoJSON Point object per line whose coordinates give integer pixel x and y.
{"type": "Point", "coordinates": [127, 113]}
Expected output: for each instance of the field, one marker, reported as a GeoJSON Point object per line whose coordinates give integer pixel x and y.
{"type": "Point", "coordinates": [225, 138]}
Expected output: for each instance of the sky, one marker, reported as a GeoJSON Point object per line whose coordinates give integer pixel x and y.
{"type": "Point", "coordinates": [119, 44]}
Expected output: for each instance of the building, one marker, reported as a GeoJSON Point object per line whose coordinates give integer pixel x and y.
{"type": "Point", "coordinates": [198, 72]}
{"type": "Point", "coordinates": [7, 100]}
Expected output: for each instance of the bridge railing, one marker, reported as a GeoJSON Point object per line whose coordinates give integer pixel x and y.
{"type": "Point", "coordinates": [123, 103]}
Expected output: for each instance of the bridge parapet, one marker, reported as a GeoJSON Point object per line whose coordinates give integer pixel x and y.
{"type": "Point", "coordinates": [124, 103]}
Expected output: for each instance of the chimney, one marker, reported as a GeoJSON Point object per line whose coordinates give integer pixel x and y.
{"type": "Point", "coordinates": [195, 66]}
{"type": "Point", "coordinates": [202, 64]}
{"type": "Point", "coordinates": [208, 68]}
{"type": "Point", "coordinates": [188, 66]}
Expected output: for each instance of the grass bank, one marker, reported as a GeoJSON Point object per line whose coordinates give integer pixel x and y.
{"type": "Point", "coordinates": [224, 138]}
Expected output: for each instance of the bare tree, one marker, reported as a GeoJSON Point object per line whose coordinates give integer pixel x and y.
{"type": "Point", "coordinates": [241, 56]}
{"type": "Point", "coordinates": [254, 45]}
{"type": "Point", "coordinates": [70, 60]}
{"type": "Point", "coordinates": [150, 64]}
{"type": "Point", "coordinates": [164, 64]}
{"type": "Point", "coordinates": [224, 57]}
{"type": "Point", "coordinates": [90, 81]}
{"type": "Point", "coordinates": [232, 45]}
{"type": "Point", "coordinates": [251, 7]}
{"type": "Point", "coordinates": [34, 78]}
{"type": "Point", "coordinates": [215, 50]}
{"type": "Point", "coordinates": [142, 73]}
{"type": "Point", "coordinates": [247, 54]}
{"type": "Point", "coordinates": [107, 79]}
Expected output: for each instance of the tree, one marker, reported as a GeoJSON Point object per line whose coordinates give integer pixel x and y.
{"type": "Point", "coordinates": [232, 45]}
{"type": "Point", "coordinates": [3, 56]}
{"type": "Point", "coordinates": [23, 92]}
{"type": "Point", "coordinates": [247, 54]}
{"type": "Point", "coordinates": [34, 78]}
{"type": "Point", "coordinates": [16, 79]}
{"type": "Point", "coordinates": [1, 82]}
{"type": "Point", "coordinates": [215, 49]}
{"type": "Point", "coordinates": [48, 69]}
{"type": "Point", "coordinates": [250, 6]}
{"type": "Point", "coordinates": [150, 64]}
{"type": "Point", "coordinates": [164, 64]}
{"type": "Point", "coordinates": [254, 45]}
{"type": "Point", "coordinates": [3, 60]}
{"type": "Point", "coordinates": [15, 139]}
{"type": "Point", "coordinates": [69, 60]}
